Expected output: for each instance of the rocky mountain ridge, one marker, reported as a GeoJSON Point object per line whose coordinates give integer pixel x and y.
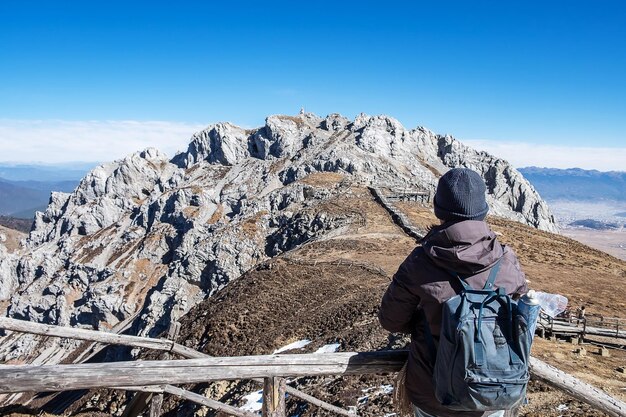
{"type": "Point", "coordinates": [143, 239]}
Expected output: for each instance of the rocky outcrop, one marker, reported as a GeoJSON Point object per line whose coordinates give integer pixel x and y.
{"type": "Point", "coordinates": [148, 237]}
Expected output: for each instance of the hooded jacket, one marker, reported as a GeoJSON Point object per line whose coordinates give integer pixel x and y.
{"type": "Point", "coordinates": [423, 282]}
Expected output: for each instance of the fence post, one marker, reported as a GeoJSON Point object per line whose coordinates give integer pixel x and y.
{"type": "Point", "coordinates": [551, 325]}
{"type": "Point", "coordinates": [155, 405]}
{"type": "Point", "coordinates": [274, 397]}
{"type": "Point", "coordinates": [157, 399]}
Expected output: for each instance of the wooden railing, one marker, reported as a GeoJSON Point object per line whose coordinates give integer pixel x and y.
{"type": "Point", "coordinates": [610, 326]}
{"type": "Point", "coordinates": [160, 376]}
{"type": "Point", "coordinates": [593, 326]}
{"type": "Point", "coordinates": [150, 343]}
{"type": "Point", "coordinates": [397, 216]}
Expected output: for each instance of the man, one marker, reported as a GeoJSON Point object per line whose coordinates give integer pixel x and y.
{"type": "Point", "coordinates": [580, 315]}
{"type": "Point", "coordinates": [463, 244]}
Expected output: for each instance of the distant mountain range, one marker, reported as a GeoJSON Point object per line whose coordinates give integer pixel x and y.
{"type": "Point", "coordinates": [22, 198]}
{"type": "Point", "coordinates": [577, 184]}
{"type": "Point", "coordinates": [25, 189]}
{"type": "Point", "coordinates": [45, 172]}
{"type": "Point", "coordinates": [594, 224]}
{"type": "Point", "coordinates": [23, 225]}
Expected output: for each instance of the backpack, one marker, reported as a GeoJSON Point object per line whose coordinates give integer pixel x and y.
{"type": "Point", "coordinates": [484, 348]}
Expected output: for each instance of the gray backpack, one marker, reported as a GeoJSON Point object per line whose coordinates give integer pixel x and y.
{"type": "Point", "coordinates": [484, 348]}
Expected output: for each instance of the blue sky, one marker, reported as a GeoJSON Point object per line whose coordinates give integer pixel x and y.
{"type": "Point", "coordinates": [498, 74]}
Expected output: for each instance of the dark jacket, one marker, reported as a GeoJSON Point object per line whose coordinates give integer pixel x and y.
{"type": "Point", "coordinates": [422, 284]}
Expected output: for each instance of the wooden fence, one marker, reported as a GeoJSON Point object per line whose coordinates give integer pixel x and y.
{"type": "Point", "coordinates": [590, 326]}
{"type": "Point", "coordinates": [397, 216]}
{"type": "Point", "coordinates": [160, 376]}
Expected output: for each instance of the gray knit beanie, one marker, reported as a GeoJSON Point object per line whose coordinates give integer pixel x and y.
{"type": "Point", "coordinates": [461, 196]}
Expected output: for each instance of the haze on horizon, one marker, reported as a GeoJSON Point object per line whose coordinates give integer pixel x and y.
{"type": "Point", "coordinates": [537, 84]}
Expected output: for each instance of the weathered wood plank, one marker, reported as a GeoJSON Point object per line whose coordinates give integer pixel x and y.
{"type": "Point", "coordinates": [273, 397]}
{"type": "Point", "coordinates": [27, 378]}
{"type": "Point", "coordinates": [157, 400]}
{"type": "Point", "coordinates": [98, 336]}
{"type": "Point", "coordinates": [155, 405]}
{"type": "Point", "coordinates": [138, 404]}
{"type": "Point", "coordinates": [134, 409]}
{"type": "Point", "coordinates": [83, 334]}
{"type": "Point", "coordinates": [143, 388]}
{"type": "Point", "coordinates": [578, 389]}
{"type": "Point", "coordinates": [216, 405]}
{"type": "Point", "coordinates": [21, 378]}
{"type": "Point", "coordinates": [318, 402]}
{"type": "Point", "coordinates": [156, 344]}
{"type": "Point", "coordinates": [569, 329]}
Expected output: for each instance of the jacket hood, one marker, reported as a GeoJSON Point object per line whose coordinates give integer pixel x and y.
{"type": "Point", "coordinates": [465, 247]}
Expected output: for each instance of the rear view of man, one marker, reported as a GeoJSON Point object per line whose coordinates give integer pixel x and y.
{"type": "Point", "coordinates": [463, 245]}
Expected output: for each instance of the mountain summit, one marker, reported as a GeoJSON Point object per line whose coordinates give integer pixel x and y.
{"type": "Point", "coordinates": [144, 239]}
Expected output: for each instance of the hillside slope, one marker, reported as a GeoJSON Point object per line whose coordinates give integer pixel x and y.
{"type": "Point", "coordinates": [328, 291]}
{"type": "Point", "coordinates": [10, 238]}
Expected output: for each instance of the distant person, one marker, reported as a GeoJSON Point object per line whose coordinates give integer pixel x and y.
{"type": "Point", "coordinates": [464, 244]}
{"type": "Point", "coordinates": [581, 315]}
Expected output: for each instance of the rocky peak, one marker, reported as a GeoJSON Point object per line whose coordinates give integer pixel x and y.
{"type": "Point", "coordinates": [222, 143]}
{"type": "Point", "coordinates": [143, 239]}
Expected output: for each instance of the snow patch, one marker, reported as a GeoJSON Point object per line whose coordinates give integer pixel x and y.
{"type": "Point", "coordinates": [254, 401]}
{"type": "Point", "coordinates": [385, 389]}
{"type": "Point", "coordinates": [295, 345]}
{"type": "Point", "coordinates": [331, 348]}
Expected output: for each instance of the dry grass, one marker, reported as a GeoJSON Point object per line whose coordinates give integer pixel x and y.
{"type": "Point", "coordinates": [250, 227]}
{"type": "Point", "coordinates": [11, 239]}
{"type": "Point", "coordinates": [431, 168]}
{"type": "Point", "coordinates": [296, 119]}
{"type": "Point", "coordinates": [217, 215]}
{"type": "Point", "coordinates": [89, 253]}
{"type": "Point", "coordinates": [322, 179]}
{"type": "Point", "coordinates": [191, 212]}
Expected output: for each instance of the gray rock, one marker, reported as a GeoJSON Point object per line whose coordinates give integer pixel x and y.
{"type": "Point", "coordinates": [151, 236]}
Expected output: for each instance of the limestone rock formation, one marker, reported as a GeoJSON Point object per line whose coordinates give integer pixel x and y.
{"type": "Point", "coordinates": [142, 240]}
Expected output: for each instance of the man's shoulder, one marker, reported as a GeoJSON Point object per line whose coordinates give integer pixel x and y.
{"type": "Point", "coordinates": [417, 257]}
{"type": "Point", "coordinates": [417, 266]}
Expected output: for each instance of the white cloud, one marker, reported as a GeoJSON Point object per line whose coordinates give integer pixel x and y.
{"type": "Point", "coordinates": [54, 141]}
{"type": "Point", "coordinates": [522, 154]}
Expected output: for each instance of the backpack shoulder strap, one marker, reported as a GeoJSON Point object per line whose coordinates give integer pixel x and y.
{"type": "Point", "coordinates": [490, 280]}
{"type": "Point", "coordinates": [492, 276]}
